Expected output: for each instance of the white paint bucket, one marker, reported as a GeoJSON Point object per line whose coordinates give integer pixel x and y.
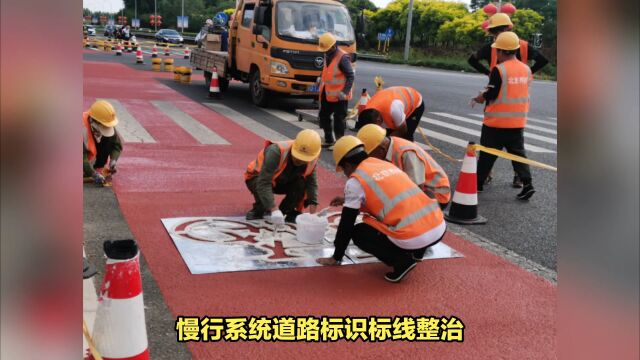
{"type": "Point", "coordinates": [311, 228]}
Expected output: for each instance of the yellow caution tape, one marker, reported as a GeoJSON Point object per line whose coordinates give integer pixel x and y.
{"type": "Point", "coordinates": [92, 346]}
{"type": "Point", "coordinates": [512, 157]}
{"type": "Point", "coordinates": [442, 153]}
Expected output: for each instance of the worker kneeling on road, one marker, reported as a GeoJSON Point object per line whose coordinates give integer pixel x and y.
{"type": "Point", "coordinates": [397, 108]}
{"type": "Point", "coordinates": [286, 167]}
{"type": "Point", "coordinates": [400, 221]}
{"type": "Point", "coordinates": [410, 158]}
{"type": "Point", "coordinates": [101, 142]}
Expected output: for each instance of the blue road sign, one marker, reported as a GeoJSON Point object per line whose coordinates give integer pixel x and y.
{"type": "Point", "coordinates": [389, 32]}
{"type": "Point", "coordinates": [221, 18]}
{"type": "Point", "coordinates": [382, 37]}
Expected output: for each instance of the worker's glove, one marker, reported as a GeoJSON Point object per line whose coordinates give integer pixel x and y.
{"type": "Point", "coordinates": [98, 178]}
{"type": "Point", "coordinates": [277, 218]}
{"type": "Point", "coordinates": [112, 166]}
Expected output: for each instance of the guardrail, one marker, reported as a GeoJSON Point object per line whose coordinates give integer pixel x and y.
{"type": "Point", "coordinates": [373, 57]}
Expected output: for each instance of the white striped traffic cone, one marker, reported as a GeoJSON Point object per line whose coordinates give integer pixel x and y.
{"type": "Point", "coordinates": [364, 99]}
{"type": "Point", "coordinates": [464, 205]}
{"type": "Point", "coordinates": [187, 52]}
{"type": "Point", "coordinates": [214, 87]}
{"type": "Point", "coordinates": [139, 58]}
{"type": "Point", "coordinates": [154, 51]}
{"type": "Point", "coordinates": [167, 51]}
{"type": "Point", "coordinates": [119, 331]}
{"type": "Point", "coordinates": [119, 49]}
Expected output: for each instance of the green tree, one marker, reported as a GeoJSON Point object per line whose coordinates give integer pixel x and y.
{"type": "Point", "coordinates": [526, 22]}
{"type": "Point", "coordinates": [463, 31]}
{"type": "Point", "coordinates": [428, 16]}
{"type": "Point", "coordinates": [549, 10]}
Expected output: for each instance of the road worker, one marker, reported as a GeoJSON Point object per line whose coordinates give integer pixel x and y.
{"type": "Point", "coordinates": [505, 112]}
{"type": "Point", "coordinates": [397, 108]}
{"type": "Point", "coordinates": [285, 167]}
{"type": "Point", "coordinates": [421, 168]}
{"type": "Point", "coordinates": [101, 143]}
{"type": "Point", "coordinates": [499, 23]}
{"type": "Point", "coordinates": [400, 221]}
{"type": "Point", "coordinates": [335, 88]}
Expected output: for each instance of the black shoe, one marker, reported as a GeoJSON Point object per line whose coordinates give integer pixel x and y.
{"type": "Point", "coordinates": [253, 214]}
{"type": "Point", "coordinates": [291, 217]}
{"type": "Point", "coordinates": [517, 183]}
{"type": "Point", "coordinates": [327, 144]}
{"type": "Point", "coordinates": [88, 270]}
{"type": "Point", "coordinates": [526, 193]}
{"type": "Point", "coordinates": [399, 273]}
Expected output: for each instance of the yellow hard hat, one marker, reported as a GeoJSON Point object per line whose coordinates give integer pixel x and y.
{"type": "Point", "coordinates": [342, 148]}
{"type": "Point", "coordinates": [507, 40]}
{"type": "Point", "coordinates": [326, 41]}
{"type": "Point", "coordinates": [306, 146]}
{"type": "Point", "coordinates": [499, 19]}
{"type": "Point", "coordinates": [104, 113]}
{"type": "Point", "coordinates": [371, 136]}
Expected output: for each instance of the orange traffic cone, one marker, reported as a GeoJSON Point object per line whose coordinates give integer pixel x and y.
{"type": "Point", "coordinates": [167, 51]}
{"type": "Point", "coordinates": [154, 51]}
{"type": "Point", "coordinates": [464, 205]}
{"type": "Point", "coordinates": [119, 331]}
{"type": "Point", "coordinates": [214, 87]}
{"type": "Point", "coordinates": [139, 58]}
{"type": "Point", "coordinates": [187, 52]}
{"type": "Point", "coordinates": [364, 99]}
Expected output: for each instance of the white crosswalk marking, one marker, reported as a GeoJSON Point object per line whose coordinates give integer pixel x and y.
{"type": "Point", "coordinates": [476, 133]}
{"type": "Point", "coordinates": [526, 134]}
{"type": "Point", "coordinates": [552, 117]}
{"type": "Point", "coordinates": [293, 119]}
{"type": "Point", "coordinates": [128, 127]}
{"type": "Point", "coordinates": [246, 122]}
{"type": "Point", "coordinates": [528, 120]}
{"type": "Point", "coordinates": [203, 134]}
{"type": "Point", "coordinates": [479, 123]}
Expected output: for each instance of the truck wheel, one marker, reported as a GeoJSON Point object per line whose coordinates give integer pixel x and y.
{"type": "Point", "coordinates": [259, 95]}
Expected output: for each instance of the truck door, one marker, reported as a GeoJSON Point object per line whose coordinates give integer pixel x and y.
{"type": "Point", "coordinates": [243, 42]}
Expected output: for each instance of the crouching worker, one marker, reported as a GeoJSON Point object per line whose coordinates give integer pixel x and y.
{"type": "Point", "coordinates": [400, 221]}
{"type": "Point", "coordinates": [410, 158]}
{"type": "Point", "coordinates": [398, 109]}
{"type": "Point", "coordinates": [289, 168]}
{"type": "Point", "coordinates": [101, 143]}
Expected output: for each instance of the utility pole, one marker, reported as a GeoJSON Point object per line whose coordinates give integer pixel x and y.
{"type": "Point", "coordinates": [182, 17]}
{"type": "Point", "coordinates": [407, 39]}
{"type": "Point", "coordinates": [155, 13]}
{"type": "Point", "coordinates": [135, 11]}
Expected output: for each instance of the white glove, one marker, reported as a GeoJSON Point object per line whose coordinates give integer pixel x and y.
{"type": "Point", "coordinates": [277, 218]}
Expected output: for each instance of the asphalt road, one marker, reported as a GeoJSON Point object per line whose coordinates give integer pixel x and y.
{"type": "Point", "coordinates": [527, 228]}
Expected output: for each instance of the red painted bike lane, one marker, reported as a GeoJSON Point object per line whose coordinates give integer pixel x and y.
{"type": "Point", "coordinates": [508, 312]}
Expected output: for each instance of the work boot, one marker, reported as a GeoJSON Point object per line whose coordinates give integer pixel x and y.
{"type": "Point", "coordinates": [526, 193]}
{"type": "Point", "coordinates": [291, 217]}
{"type": "Point", "coordinates": [517, 183]}
{"type": "Point", "coordinates": [418, 254]}
{"type": "Point", "coordinates": [254, 214]}
{"type": "Point", "coordinates": [399, 273]}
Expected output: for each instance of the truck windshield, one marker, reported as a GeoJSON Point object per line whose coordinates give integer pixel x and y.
{"type": "Point", "coordinates": [304, 21]}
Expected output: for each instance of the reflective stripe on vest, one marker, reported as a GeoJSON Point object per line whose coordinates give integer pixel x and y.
{"type": "Point", "coordinates": [510, 108]}
{"type": "Point", "coordinates": [87, 138]}
{"type": "Point", "coordinates": [436, 180]}
{"type": "Point", "coordinates": [393, 203]}
{"type": "Point", "coordinates": [285, 146]}
{"type": "Point", "coordinates": [524, 54]}
{"type": "Point", "coordinates": [333, 79]}
{"type": "Point", "coordinates": [381, 101]}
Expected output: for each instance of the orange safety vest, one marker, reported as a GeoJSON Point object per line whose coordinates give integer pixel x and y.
{"type": "Point", "coordinates": [510, 108]}
{"type": "Point", "coordinates": [524, 54]}
{"type": "Point", "coordinates": [87, 137]}
{"type": "Point", "coordinates": [256, 165]}
{"type": "Point", "coordinates": [393, 204]}
{"type": "Point", "coordinates": [333, 79]}
{"type": "Point", "coordinates": [436, 179]}
{"type": "Point", "coordinates": [381, 101]}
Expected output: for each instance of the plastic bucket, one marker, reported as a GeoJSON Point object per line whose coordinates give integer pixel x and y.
{"type": "Point", "coordinates": [311, 228]}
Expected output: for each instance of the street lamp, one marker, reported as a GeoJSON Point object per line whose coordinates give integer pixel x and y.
{"type": "Point", "coordinates": [407, 40]}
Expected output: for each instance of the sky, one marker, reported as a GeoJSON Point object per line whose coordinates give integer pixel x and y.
{"type": "Point", "coordinates": [115, 5]}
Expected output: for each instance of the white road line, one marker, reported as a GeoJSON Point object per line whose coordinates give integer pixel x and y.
{"type": "Point", "coordinates": [552, 118]}
{"type": "Point", "coordinates": [526, 134]}
{"type": "Point", "coordinates": [442, 137]}
{"type": "Point", "coordinates": [528, 120]}
{"type": "Point", "coordinates": [246, 122]}
{"type": "Point", "coordinates": [293, 119]}
{"type": "Point", "coordinates": [199, 132]}
{"type": "Point", "coordinates": [476, 133]}
{"type": "Point", "coordinates": [128, 127]}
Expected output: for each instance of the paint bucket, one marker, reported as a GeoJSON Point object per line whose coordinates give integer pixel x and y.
{"type": "Point", "coordinates": [311, 228]}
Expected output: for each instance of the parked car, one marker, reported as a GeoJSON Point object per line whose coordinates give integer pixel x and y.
{"type": "Point", "coordinates": [169, 36]}
{"type": "Point", "coordinates": [90, 30]}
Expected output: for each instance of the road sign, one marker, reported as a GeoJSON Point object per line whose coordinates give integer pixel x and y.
{"type": "Point", "coordinates": [94, 20]}
{"type": "Point", "coordinates": [389, 33]}
{"type": "Point", "coordinates": [183, 22]}
{"type": "Point", "coordinates": [382, 37]}
{"type": "Point", "coordinates": [221, 18]}
{"type": "Point", "coordinates": [135, 23]}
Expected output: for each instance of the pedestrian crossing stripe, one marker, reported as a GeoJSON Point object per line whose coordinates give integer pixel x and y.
{"type": "Point", "coordinates": [193, 127]}
{"type": "Point", "coordinates": [529, 119]}
{"type": "Point", "coordinates": [128, 127]}
{"type": "Point", "coordinates": [479, 123]}
{"type": "Point", "coordinates": [246, 122]}
{"type": "Point", "coordinates": [475, 122]}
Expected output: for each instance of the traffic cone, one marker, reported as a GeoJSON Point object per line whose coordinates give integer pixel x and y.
{"type": "Point", "coordinates": [119, 331]}
{"type": "Point", "coordinates": [119, 49]}
{"type": "Point", "coordinates": [154, 51]}
{"type": "Point", "coordinates": [464, 205]}
{"type": "Point", "coordinates": [214, 87]}
{"type": "Point", "coordinates": [364, 99]}
{"type": "Point", "coordinates": [167, 51]}
{"type": "Point", "coordinates": [139, 58]}
{"type": "Point", "coordinates": [187, 53]}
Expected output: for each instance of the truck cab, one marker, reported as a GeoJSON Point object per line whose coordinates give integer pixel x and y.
{"type": "Point", "coordinates": [273, 44]}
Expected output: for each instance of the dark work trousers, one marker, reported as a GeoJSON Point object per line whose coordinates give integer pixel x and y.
{"type": "Point", "coordinates": [378, 244]}
{"type": "Point", "coordinates": [510, 139]}
{"type": "Point", "coordinates": [413, 121]}
{"type": "Point", "coordinates": [293, 192]}
{"type": "Point", "coordinates": [339, 111]}
{"type": "Point", "coordinates": [104, 149]}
